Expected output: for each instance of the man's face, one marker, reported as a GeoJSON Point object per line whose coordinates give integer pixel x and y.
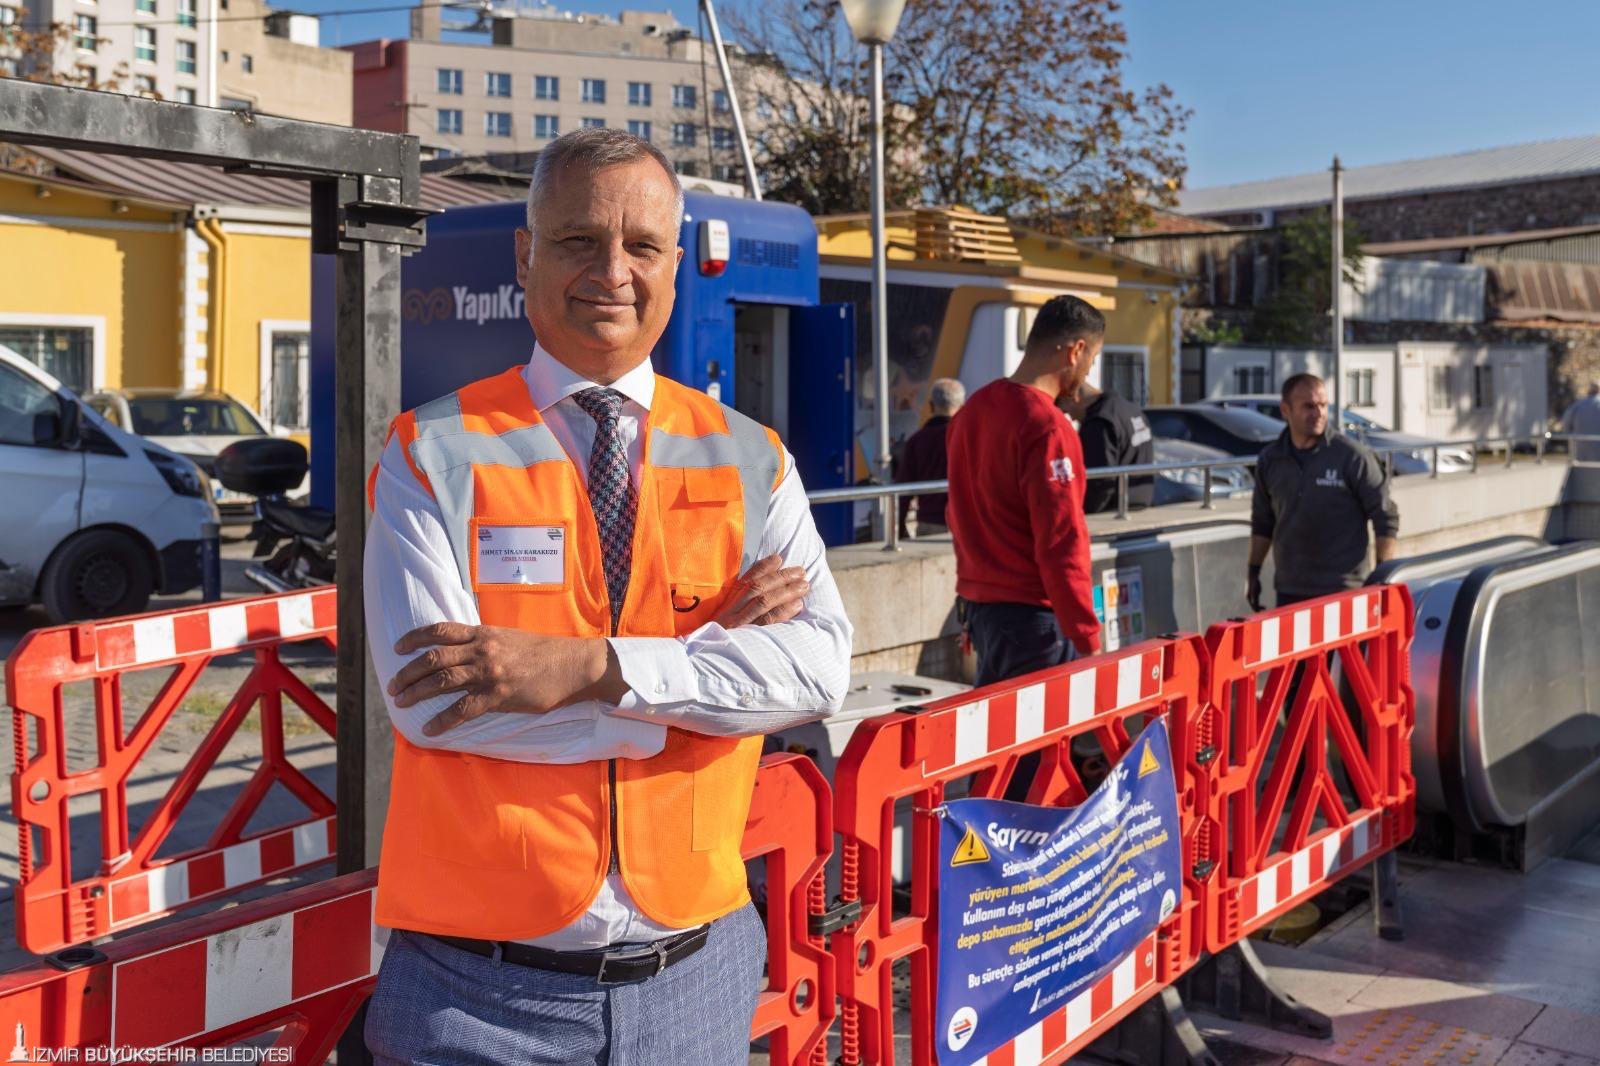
{"type": "Point", "coordinates": [599, 268]}
{"type": "Point", "coordinates": [1306, 411]}
{"type": "Point", "coordinates": [1081, 354]}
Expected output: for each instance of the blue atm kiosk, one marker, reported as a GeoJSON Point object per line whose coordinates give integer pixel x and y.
{"type": "Point", "coordinates": [747, 328]}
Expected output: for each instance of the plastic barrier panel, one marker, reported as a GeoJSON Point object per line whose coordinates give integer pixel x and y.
{"type": "Point", "coordinates": [1314, 770]}
{"type": "Point", "coordinates": [791, 827]}
{"type": "Point", "coordinates": [57, 906]}
{"type": "Point", "coordinates": [300, 964]}
{"type": "Point", "coordinates": [916, 759]}
{"type": "Point", "coordinates": [296, 965]}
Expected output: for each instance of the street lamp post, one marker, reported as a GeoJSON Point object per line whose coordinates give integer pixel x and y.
{"type": "Point", "coordinates": [873, 23]}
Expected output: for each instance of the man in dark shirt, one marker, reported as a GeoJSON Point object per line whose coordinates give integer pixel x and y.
{"type": "Point", "coordinates": [924, 458]}
{"type": "Point", "coordinates": [1114, 433]}
{"type": "Point", "coordinates": [1315, 493]}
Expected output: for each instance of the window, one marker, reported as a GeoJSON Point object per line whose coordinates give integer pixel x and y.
{"type": "Point", "coordinates": [497, 124]}
{"type": "Point", "coordinates": [683, 134]}
{"type": "Point", "coordinates": [65, 353]}
{"type": "Point", "coordinates": [683, 96]}
{"type": "Point", "coordinates": [8, 15]}
{"type": "Point", "coordinates": [144, 84]}
{"type": "Point", "coordinates": [1440, 396]}
{"type": "Point", "coordinates": [721, 137]}
{"type": "Point", "coordinates": [725, 172]}
{"type": "Point", "coordinates": [449, 120]}
{"type": "Point", "coordinates": [291, 360]}
{"type": "Point", "coordinates": [86, 35]}
{"type": "Point", "coordinates": [1123, 374]}
{"type": "Point", "coordinates": [146, 7]}
{"type": "Point", "coordinates": [144, 44]}
{"type": "Point", "coordinates": [185, 96]}
{"type": "Point", "coordinates": [546, 88]}
{"type": "Point", "coordinates": [1250, 379]}
{"type": "Point", "coordinates": [186, 61]}
{"type": "Point", "coordinates": [179, 416]}
{"type": "Point", "coordinates": [247, 62]}
{"type": "Point", "coordinates": [545, 128]}
{"type": "Point", "coordinates": [594, 90]}
{"type": "Point", "coordinates": [450, 81]}
{"type": "Point", "coordinates": [497, 84]}
{"type": "Point", "coordinates": [90, 74]}
{"type": "Point", "coordinates": [763, 107]}
{"type": "Point", "coordinates": [687, 167]}
{"type": "Point", "coordinates": [1482, 387]}
{"type": "Point", "coordinates": [594, 123]}
{"type": "Point", "coordinates": [639, 94]}
{"type": "Point", "coordinates": [22, 399]}
{"type": "Point", "coordinates": [1358, 388]}
{"type": "Point", "coordinates": [224, 54]}
{"type": "Point", "coordinates": [720, 101]}
{"type": "Point", "coordinates": [639, 129]}
{"type": "Point", "coordinates": [188, 13]}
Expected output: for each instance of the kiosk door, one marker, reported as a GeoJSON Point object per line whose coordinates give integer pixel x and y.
{"type": "Point", "coordinates": [822, 374]}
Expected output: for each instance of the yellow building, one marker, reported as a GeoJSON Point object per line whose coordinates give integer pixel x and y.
{"type": "Point", "coordinates": [123, 272]}
{"type": "Point", "coordinates": [967, 287]}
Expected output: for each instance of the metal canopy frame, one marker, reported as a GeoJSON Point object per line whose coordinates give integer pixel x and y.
{"type": "Point", "coordinates": [366, 209]}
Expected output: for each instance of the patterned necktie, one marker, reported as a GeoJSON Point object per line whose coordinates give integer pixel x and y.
{"type": "Point", "coordinates": [611, 492]}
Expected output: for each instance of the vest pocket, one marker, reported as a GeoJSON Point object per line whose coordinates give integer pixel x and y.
{"type": "Point", "coordinates": [469, 821]}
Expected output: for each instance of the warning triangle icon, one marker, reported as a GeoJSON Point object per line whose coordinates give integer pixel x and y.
{"type": "Point", "coordinates": [970, 850]}
{"type": "Point", "coordinates": [1148, 764]}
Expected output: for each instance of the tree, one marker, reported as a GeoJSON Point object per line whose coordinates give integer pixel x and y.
{"type": "Point", "coordinates": [804, 88]}
{"type": "Point", "coordinates": [1008, 106]}
{"type": "Point", "coordinates": [33, 51]}
{"type": "Point", "coordinates": [1297, 312]}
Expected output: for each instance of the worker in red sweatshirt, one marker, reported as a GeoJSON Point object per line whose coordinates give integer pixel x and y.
{"type": "Point", "coordinates": [1016, 504]}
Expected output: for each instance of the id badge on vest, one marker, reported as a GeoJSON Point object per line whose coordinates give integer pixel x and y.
{"type": "Point", "coordinates": [521, 555]}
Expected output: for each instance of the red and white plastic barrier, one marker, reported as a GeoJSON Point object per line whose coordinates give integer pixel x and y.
{"type": "Point", "coordinates": [57, 905]}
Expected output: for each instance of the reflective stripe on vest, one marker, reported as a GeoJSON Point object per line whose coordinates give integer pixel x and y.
{"type": "Point", "coordinates": [443, 445]}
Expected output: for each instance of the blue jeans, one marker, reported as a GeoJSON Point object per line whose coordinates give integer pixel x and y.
{"type": "Point", "coordinates": [442, 1006]}
{"type": "Point", "coordinates": [1013, 639]}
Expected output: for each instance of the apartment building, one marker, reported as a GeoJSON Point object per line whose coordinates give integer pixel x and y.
{"type": "Point", "coordinates": [537, 73]}
{"type": "Point", "coordinates": [157, 47]}
{"type": "Point", "coordinates": [270, 62]}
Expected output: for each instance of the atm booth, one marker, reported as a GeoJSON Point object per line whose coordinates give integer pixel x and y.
{"type": "Point", "coordinates": [748, 328]}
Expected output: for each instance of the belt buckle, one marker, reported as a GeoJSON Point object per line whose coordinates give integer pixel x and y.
{"type": "Point", "coordinates": [656, 949]}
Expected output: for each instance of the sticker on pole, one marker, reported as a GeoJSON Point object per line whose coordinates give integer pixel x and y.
{"type": "Point", "coordinates": [1036, 904]}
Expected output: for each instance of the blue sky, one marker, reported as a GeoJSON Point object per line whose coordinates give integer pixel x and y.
{"type": "Point", "coordinates": [1279, 86]}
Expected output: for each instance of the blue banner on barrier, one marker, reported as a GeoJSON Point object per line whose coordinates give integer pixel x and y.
{"type": "Point", "coordinates": [1038, 903]}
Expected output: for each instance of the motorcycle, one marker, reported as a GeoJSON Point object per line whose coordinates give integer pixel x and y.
{"type": "Point", "coordinates": [295, 539]}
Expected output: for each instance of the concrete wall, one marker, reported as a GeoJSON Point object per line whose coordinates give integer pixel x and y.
{"type": "Point", "coordinates": [902, 605]}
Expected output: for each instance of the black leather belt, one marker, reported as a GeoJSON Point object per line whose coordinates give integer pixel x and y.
{"type": "Point", "coordinates": [610, 966]}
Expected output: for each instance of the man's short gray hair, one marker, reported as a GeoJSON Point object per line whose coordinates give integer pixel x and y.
{"type": "Point", "coordinates": [589, 150]}
{"type": "Point", "coordinates": [947, 395]}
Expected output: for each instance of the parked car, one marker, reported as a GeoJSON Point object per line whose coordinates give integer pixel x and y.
{"type": "Point", "coordinates": [192, 423]}
{"type": "Point", "coordinates": [1189, 486]}
{"type": "Point", "coordinates": [1233, 430]}
{"type": "Point", "coordinates": [96, 519]}
{"type": "Point", "coordinates": [1414, 454]}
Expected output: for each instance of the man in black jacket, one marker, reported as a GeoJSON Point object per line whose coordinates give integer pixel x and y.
{"type": "Point", "coordinates": [1114, 432]}
{"type": "Point", "coordinates": [1315, 493]}
{"type": "Point", "coordinates": [924, 458]}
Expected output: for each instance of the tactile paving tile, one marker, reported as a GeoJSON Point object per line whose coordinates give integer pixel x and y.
{"type": "Point", "coordinates": [1395, 1038]}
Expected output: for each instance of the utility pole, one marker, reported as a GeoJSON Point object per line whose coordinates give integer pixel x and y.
{"type": "Point", "coordinates": [1338, 287]}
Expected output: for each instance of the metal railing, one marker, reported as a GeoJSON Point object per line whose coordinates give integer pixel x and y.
{"type": "Point", "coordinates": [887, 495]}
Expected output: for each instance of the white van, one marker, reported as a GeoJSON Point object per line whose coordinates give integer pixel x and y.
{"type": "Point", "coordinates": [93, 520]}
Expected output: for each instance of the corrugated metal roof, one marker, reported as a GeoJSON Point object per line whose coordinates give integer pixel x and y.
{"type": "Point", "coordinates": [1562, 292]}
{"type": "Point", "coordinates": [190, 183]}
{"type": "Point", "coordinates": [1564, 158]}
{"type": "Point", "coordinates": [1475, 240]}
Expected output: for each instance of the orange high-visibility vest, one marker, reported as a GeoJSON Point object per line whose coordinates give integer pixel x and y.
{"type": "Point", "coordinates": [502, 850]}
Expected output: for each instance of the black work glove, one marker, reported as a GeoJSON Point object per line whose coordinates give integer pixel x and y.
{"type": "Point", "coordinates": [1252, 589]}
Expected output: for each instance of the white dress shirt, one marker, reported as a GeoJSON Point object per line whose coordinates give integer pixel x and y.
{"type": "Point", "coordinates": [739, 682]}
